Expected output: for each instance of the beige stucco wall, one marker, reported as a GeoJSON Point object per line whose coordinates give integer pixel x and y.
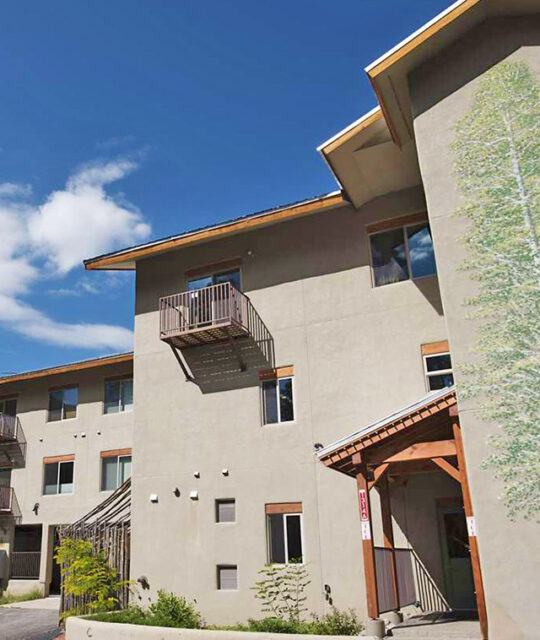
{"type": "Point", "coordinates": [441, 94]}
{"type": "Point", "coordinates": [356, 356]}
{"type": "Point", "coordinates": [102, 432]}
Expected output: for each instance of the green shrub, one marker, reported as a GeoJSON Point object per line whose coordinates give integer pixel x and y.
{"type": "Point", "coordinates": [281, 590]}
{"type": "Point", "coordinates": [130, 615]}
{"type": "Point", "coordinates": [338, 623]}
{"type": "Point", "coordinates": [173, 611]}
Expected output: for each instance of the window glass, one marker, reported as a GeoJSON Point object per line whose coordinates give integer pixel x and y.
{"type": "Point", "coordinates": [441, 381]}
{"type": "Point", "coordinates": [199, 283]}
{"type": "Point", "coordinates": [124, 469]}
{"type": "Point", "coordinates": [112, 397]}
{"type": "Point", "coordinates": [55, 405]}
{"type": "Point", "coordinates": [294, 537]}
{"type": "Point", "coordinates": [227, 577]}
{"type": "Point", "coordinates": [50, 482]}
{"type": "Point", "coordinates": [5, 477]}
{"type": "Point", "coordinates": [286, 399]}
{"type": "Point", "coordinates": [109, 473]}
{"type": "Point", "coordinates": [438, 363]}
{"type": "Point", "coordinates": [70, 402]}
{"type": "Point", "coordinates": [225, 511]}
{"type": "Point", "coordinates": [229, 276]}
{"type": "Point", "coordinates": [270, 408]}
{"type": "Point", "coordinates": [388, 256]}
{"type": "Point", "coordinates": [276, 538]}
{"type": "Point", "coordinates": [421, 255]}
{"type": "Point", "coordinates": [65, 484]}
{"type": "Point", "coordinates": [9, 406]}
{"type": "Point", "coordinates": [127, 395]}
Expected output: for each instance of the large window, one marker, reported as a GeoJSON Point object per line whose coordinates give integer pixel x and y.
{"type": "Point", "coordinates": [438, 370]}
{"type": "Point", "coordinates": [284, 531]}
{"type": "Point", "coordinates": [8, 406]}
{"type": "Point", "coordinates": [115, 470]}
{"type": "Point", "coordinates": [402, 253]}
{"type": "Point", "coordinates": [118, 395]}
{"type": "Point", "coordinates": [63, 403]}
{"type": "Point", "coordinates": [58, 477]}
{"type": "Point", "coordinates": [278, 400]}
{"type": "Point", "coordinates": [232, 276]}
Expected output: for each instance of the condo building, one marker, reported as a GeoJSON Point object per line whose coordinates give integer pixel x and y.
{"type": "Point", "coordinates": [294, 393]}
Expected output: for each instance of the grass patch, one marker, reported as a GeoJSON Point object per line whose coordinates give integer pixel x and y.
{"type": "Point", "coordinates": [10, 598]}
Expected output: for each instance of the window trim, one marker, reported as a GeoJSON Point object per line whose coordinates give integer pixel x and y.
{"type": "Point", "coordinates": [438, 372]}
{"type": "Point", "coordinates": [403, 228]}
{"type": "Point", "coordinates": [285, 515]}
{"type": "Point", "coordinates": [276, 379]}
{"type": "Point", "coordinates": [120, 380]}
{"type": "Point", "coordinates": [59, 460]}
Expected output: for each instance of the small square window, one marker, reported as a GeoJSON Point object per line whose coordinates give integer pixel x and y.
{"type": "Point", "coordinates": [227, 577]}
{"type": "Point", "coordinates": [438, 370]}
{"type": "Point", "coordinates": [278, 400]}
{"type": "Point", "coordinates": [226, 510]}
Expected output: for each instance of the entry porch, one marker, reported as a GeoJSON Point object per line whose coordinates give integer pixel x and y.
{"type": "Point", "coordinates": [422, 550]}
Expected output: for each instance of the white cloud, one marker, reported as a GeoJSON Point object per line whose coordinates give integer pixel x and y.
{"type": "Point", "coordinates": [83, 221]}
{"type": "Point", "coordinates": [51, 239]}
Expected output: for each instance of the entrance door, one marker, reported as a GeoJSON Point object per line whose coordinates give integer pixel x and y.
{"type": "Point", "coordinates": [56, 580]}
{"type": "Point", "coordinates": [204, 308]}
{"type": "Point", "coordinates": [456, 558]}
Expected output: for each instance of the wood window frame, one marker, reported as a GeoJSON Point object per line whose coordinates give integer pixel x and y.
{"type": "Point", "coordinates": [59, 460]}
{"type": "Point", "coordinates": [116, 454]}
{"type": "Point", "coordinates": [277, 374]}
{"type": "Point", "coordinates": [403, 222]}
{"type": "Point", "coordinates": [286, 513]}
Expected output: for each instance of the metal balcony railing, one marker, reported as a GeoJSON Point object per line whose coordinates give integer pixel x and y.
{"type": "Point", "coordinates": [209, 315]}
{"type": "Point", "coordinates": [9, 506]}
{"type": "Point", "coordinates": [12, 442]}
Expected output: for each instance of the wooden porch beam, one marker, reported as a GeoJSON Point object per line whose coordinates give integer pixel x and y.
{"type": "Point", "coordinates": [378, 474]}
{"type": "Point", "coordinates": [446, 466]}
{"type": "Point", "coordinates": [367, 537]}
{"type": "Point", "coordinates": [423, 451]}
{"type": "Point", "coordinates": [471, 528]}
{"type": "Point", "coordinates": [388, 534]}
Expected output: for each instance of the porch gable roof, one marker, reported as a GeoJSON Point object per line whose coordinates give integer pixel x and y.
{"type": "Point", "coordinates": [339, 454]}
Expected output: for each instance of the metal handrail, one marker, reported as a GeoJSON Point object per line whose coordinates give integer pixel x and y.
{"type": "Point", "coordinates": [9, 426]}
{"type": "Point", "coordinates": [6, 499]}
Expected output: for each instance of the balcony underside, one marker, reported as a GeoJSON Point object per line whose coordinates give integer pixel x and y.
{"type": "Point", "coordinates": [12, 453]}
{"type": "Point", "coordinates": [202, 335]}
{"type": "Point", "coordinates": [215, 366]}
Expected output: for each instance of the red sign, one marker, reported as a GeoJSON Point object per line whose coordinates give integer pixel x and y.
{"type": "Point", "coordinates": [364, 511]}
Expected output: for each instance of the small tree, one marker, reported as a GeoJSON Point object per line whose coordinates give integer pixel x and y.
{"type": "Point", "coordinates": [282, 590]}
{"type": "Point", "coordinates": [87, 575]}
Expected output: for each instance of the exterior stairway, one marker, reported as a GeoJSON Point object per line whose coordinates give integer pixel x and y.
{"type": "Point", "coordinates": [437, 626]}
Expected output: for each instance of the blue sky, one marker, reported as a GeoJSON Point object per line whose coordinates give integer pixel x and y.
{"type": "Point", "coordinates": [116, 116]}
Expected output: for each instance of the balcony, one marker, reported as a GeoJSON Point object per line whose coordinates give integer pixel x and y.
{"type": "Point", "coordinates": [12, 442]}
{"type": "Point", "coordinates": [223, 321]}
{"type": "Point", "coordinates": [9, 507]}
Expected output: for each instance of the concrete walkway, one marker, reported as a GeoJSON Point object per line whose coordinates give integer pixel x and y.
{"type": "Point", "coordinates": [31, 620]}
{"type": "Point", "coordinates": [437, 626]}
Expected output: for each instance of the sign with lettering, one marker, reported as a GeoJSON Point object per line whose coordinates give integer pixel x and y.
{"type": "Point", "coordinates": [364, 511]}
{"type": "Point", "coordinates": [471, 527]}
{"type": "Point", "coordinates": [366, 530]}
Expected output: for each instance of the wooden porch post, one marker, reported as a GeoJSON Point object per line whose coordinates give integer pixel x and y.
{"type": "Point", "coordinates": [367, 537]}
{"type": "Point", "coordinates": [388, 533]}
{"type": "Point", "coordinates": [471, 527]}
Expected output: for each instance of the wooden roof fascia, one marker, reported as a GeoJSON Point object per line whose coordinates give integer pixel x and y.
{"type": "Point", "coordinates": [239, 226]}
{"type": "Point", "coordinates": [77, 366]}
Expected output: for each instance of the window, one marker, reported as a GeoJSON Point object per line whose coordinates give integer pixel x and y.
{"type": "Point", "coordinates": [402, 253]}
{"type": "Point", "coordinates": [115, 469]}
{"type": "Point", "coordinates": [227, 577]}
{"type": "Point", "coordinates": [232, 276]}
{"type": "Point", "coordinates": [118, 395]}
{"type": "Point", "coordinates": [58, 477]}
{"type": "Point", "coordinates": [63, 403]}
{"type": "Point", "coordinates": [438, 370]}
{"type": "Point", "coordinates": [277, 400]}
{"type": "Point", "coordinates": [284, 531]}
{"type": "Point", "coordinates": [226, 510]}
{"type": "Point", "coordinates": [8, 406]}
